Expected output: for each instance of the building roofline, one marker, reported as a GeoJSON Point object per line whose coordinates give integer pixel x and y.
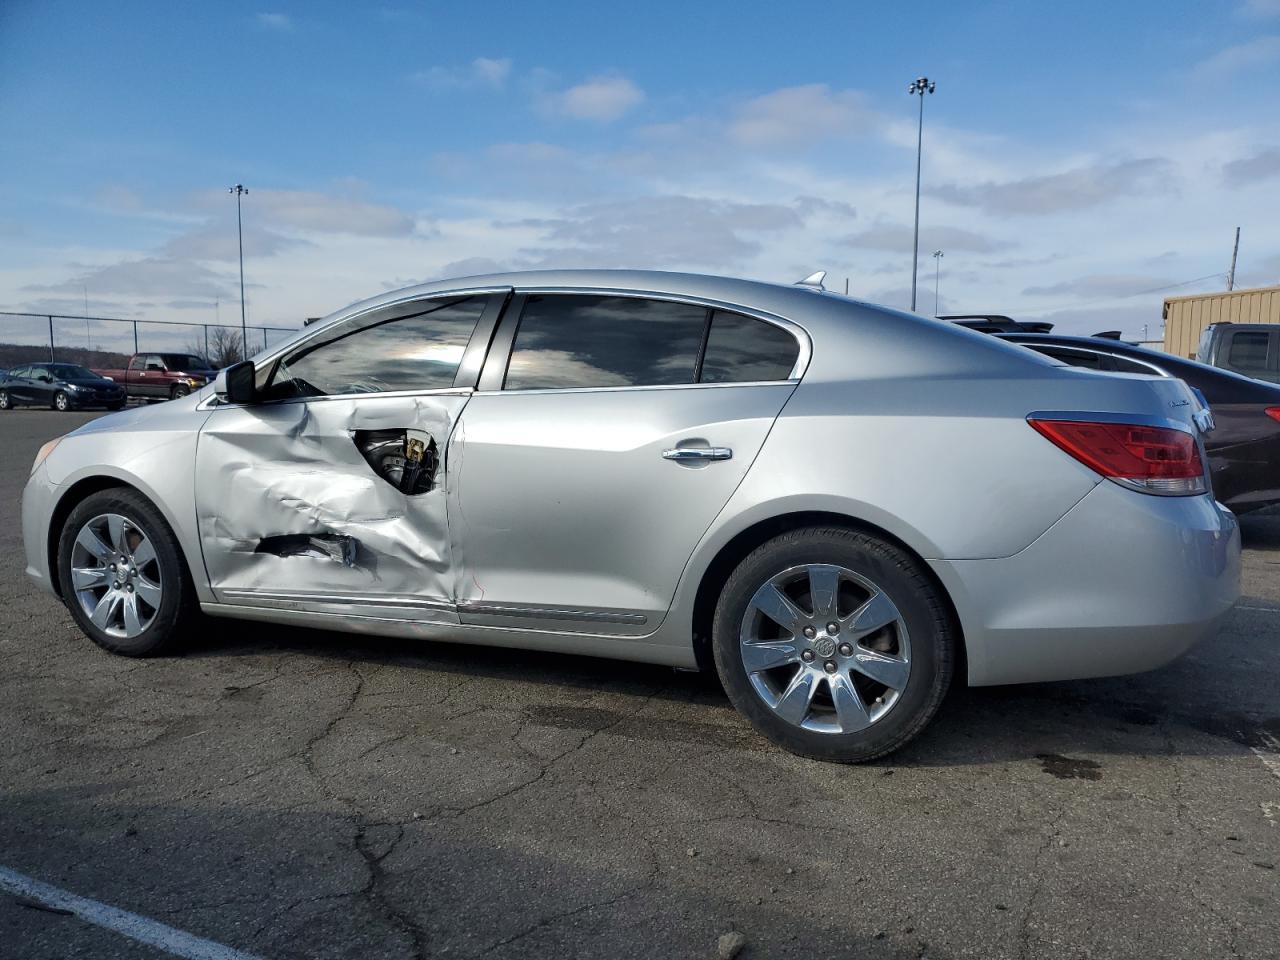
{"type": "Point", "coordinates": [1274, 288]}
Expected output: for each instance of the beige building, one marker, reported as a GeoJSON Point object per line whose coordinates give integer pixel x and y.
{"type": "Point", "coordinates": [1186, 317]}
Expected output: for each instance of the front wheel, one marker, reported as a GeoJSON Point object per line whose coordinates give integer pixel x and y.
{"type": "Point", "coordinates": [179, 390]}
{"type": "Point", "coordinates": [122, 574]}
{"type": "Point", "coordinates": [61, 401]}
{"type": "Point", "coordinates": [833, 643]}
{"type": "Point", "coordinates": [5, 402]}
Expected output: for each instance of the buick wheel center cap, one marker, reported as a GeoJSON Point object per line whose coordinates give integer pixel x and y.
{"type": "Point", "coordinates": [824, 647]}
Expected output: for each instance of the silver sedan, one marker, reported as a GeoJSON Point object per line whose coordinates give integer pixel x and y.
{"type": "Point", "coordinates": [838, 507]}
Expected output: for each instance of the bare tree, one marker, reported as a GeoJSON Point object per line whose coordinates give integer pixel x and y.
{"type": "Point", "coordinates": [224, 347]}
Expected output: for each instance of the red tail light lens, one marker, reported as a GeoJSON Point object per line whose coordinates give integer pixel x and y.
{"type": "Point", "coordinates": [1150, 459]}
{"type": "Point", "coordinates": [1272, 412]}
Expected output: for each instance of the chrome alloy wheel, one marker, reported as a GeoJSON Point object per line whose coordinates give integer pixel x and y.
{"type": "Point", "coordinates": [825, 648]}
{"type": "Point", "coordinates": [116, 575]}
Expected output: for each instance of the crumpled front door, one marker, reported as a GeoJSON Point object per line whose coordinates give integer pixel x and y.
{"type": "Point", "coordinates": [319, 505]}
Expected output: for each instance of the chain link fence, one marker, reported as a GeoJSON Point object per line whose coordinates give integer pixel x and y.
{"type": "Point", "coordinates": [110, 341]}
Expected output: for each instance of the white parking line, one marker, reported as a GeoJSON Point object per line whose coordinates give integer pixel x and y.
{"type": "Point", "coordinates": [142, 929]}
{"type": "Point", "coordinates": [1270, 756]}
{"type": "Point", "coordinates": [1241, 606]}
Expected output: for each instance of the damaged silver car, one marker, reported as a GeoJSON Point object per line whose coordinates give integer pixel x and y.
{"type": "Point", "coordinates": [838, 507]}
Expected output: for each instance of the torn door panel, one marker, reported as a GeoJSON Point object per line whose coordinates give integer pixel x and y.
{"type": "Point", "coordinates": [338, 498]}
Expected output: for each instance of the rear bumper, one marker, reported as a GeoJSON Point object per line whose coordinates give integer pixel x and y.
{"type": "Point", "coordinates": [1124, 582]}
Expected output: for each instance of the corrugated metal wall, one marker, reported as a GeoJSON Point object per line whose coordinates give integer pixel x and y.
{"type": "Point", "coordinates": [1186, 317]}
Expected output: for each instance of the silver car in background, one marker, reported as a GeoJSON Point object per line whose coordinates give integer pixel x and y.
{"type": "Point", "coordinates": [838, 506]}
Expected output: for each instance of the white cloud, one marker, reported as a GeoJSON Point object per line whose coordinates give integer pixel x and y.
{"type": "Point", "coordinates": [601, 98]}
{"type": "Point", "coordinates": [796, 116]}
{"type": "Point", "coordinates": [275, 21]}
{"type": "Point", "coordinates": [1260, 9]}
{"type": "Point", "coordinates": [482, 72]}
{"type": "Point", "coordinates": [898, 236]}
{"type": "Point", "coordinates": [1261, 166]}
{"type": "Point", "coordinates": [1073, 189]}
{"type": "Point", "coordinates": [1258, 52]}
{"type": "Point", "coordinates": [311, 212]}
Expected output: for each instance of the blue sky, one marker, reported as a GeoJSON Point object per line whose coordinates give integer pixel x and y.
{"type": "Point", "coordinates": [1075, 154]}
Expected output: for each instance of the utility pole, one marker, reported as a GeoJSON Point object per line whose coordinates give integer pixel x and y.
{"type": "Point", "coordinates": [240, 190]}
{"type": "Point", "coordinates": [937, 270]}
{"type": "Point", "coordinates": [918, 87]}
{"type": "Point", "coordinates": [1231, 277]}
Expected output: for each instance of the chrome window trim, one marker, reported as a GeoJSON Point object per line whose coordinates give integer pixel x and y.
{"type": "Point", "coordinates": [645, 387]}
{"type": "Point", "coordinates": [212, 402]}
{"type": "Point", "coordinates": [800, 334]}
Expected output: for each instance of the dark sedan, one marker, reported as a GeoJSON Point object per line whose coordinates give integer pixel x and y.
{"type": "Point", "coordinates": [1244, 450]}
{"type": "Point", "coordinates": [62, 386]}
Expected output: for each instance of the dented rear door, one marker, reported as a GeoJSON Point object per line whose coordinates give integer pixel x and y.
{"type": "Point", "coordinates": [329, 496]}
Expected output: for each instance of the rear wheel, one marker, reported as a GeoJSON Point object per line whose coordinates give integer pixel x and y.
{"type": "Point", "coordinates": [61, 401]}
{"type": "Point", "coordinates": [833, 643]}
{"type": "Point", "coordinates": [122, 574]}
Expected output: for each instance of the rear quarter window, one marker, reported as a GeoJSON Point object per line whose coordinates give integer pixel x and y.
{"type": "Point", "coordinates": [744, 350]}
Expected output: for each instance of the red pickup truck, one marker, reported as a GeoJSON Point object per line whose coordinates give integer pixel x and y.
{"type": "Point", "coordinates": [162, 376]}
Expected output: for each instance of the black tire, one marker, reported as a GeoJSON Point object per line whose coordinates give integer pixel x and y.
{"type": "Point", "coordinates": [116, 406]}
{"type": "Point", "coordinates": [178, 607]}
{"type": "Point", "coordinates": [5, 402]}
{"type": "Point", "coordinates": [902, 579]}
{"type": "Point", "coordinates": [178, 391]}
{"type": "Point", "coordinates": [61, 402]}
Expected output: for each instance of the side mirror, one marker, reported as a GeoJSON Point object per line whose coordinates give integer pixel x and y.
{"type": "Point", "coordinates": [235, 383]}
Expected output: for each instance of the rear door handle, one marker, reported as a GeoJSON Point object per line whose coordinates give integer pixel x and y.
{"type": "Point", "coordinates": [697, 454]}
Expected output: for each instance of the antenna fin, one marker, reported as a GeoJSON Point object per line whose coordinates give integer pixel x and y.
{"type": "Point", "coordinates": [813, 280]}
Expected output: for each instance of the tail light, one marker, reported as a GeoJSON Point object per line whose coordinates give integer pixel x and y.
{"type": "Point", "coordinates": [1272, 412]}
{"type": "Point", "coordinates": [1158, 460]}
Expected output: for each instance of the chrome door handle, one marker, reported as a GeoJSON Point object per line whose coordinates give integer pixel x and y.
{"type": "Point", "coordinates": [697, 454]}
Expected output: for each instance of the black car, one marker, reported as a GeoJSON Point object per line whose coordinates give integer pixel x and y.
{"type": "Point", "coordinates": [1244, 448]}
{"type": "Point", "coordinates": [62, 386]}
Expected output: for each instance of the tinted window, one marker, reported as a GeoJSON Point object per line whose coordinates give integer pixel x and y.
{"type": "Point", "coordinates": [136, 362]}
{"type": "Point", "coordinates": [69, 371]}
{"type": "Point", "coordinates": [572, 341]}
{"type": "Point", "coordinates": [153, 360]}
{"type": "Point", "coordinates": [1125, 365]}
{"type": "Point", "coordinates": [1076, 358]}
{"type": "Point", "coordinates": [740, 349]}
{"type": "Point", "coordinates": [184, 361]}
{"type": "Point", "coordinates": [23, 372]}
{"type": "Point", "coordinates": [372, 355]}
{"type": "Point", "coordinates": [1249, 350]}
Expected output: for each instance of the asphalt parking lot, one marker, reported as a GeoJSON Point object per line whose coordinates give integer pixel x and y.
{"type": "Point", "coordinates": [291, 793]}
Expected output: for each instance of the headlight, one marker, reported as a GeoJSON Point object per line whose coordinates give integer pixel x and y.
{"type": "Point", "coordinates": [73, 387]}
{"type": "Point", "coordinates": [43, 453]}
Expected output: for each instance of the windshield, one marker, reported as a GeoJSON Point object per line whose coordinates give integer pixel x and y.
{"type": "Point", "coordinates": [70, 371]}
{"type": "Point", "coordinates": [184, 361]}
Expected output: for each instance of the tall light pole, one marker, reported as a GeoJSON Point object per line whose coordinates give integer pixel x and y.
{"type": "Point", "coordinates": [920, 86]}
{"type": "Point", "coordinates": [240, 190]}
{"type": "Point", "coordinates": [937, 271]}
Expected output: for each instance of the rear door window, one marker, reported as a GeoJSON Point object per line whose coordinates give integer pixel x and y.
{"type": "Point", "coordinates": [1248, 350]}
{"type": "Point", "coordinates": [742, 350]}
{"type": "Point", "coordinates": [567, 341]}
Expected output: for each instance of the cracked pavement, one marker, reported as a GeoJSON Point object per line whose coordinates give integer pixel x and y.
{"type": "Point", "coordinates": [298, 793]}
